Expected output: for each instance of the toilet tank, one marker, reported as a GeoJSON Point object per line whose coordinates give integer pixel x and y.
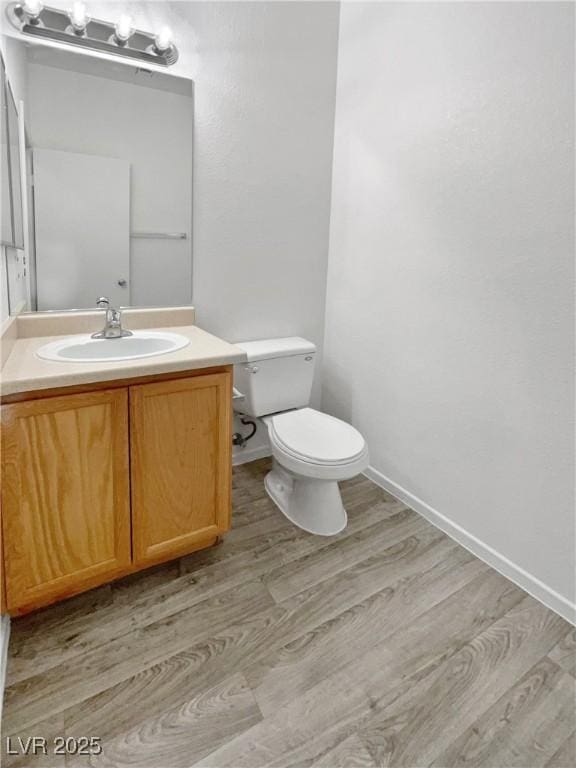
{"type": "Point", "coordinates": [277, 376]}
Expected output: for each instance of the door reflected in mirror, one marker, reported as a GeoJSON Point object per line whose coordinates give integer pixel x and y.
{"type": "Point", "coordinates": [109, 181]}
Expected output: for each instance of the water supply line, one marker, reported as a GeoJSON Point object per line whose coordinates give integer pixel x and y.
{"type": "Point", "coordinates": [238, 438]}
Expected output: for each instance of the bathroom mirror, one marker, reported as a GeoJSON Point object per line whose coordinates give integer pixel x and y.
{"type": "Point", "coordinates": [108, 169]}
{"type": "Point", "coordinates": [12, 233]}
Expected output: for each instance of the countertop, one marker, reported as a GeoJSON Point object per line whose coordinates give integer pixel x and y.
{"type": "Point", "coordinates": [24, 372]}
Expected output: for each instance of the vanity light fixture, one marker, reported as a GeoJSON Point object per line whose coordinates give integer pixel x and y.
{"type": "Point", "coordinates": [79, 18]}
{"type": "Point", "coordinates": [75, 27]}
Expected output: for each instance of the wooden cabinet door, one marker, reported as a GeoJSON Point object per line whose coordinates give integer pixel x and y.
{"type": "Point", "coordinates": [65, 495]}
{"type": "Point", "coordinates": [181, 459]}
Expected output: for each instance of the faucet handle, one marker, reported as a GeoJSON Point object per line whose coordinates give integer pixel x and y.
{"type": "Point", "coordinates": [103, 302]}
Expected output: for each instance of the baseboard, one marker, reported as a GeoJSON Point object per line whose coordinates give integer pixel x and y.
{"type": "Point", "coordinates": [499, 562]}
{"type": "Point", "coordinates": [4, 637]}
{"type": "Point", "coordinates": [244, 455]}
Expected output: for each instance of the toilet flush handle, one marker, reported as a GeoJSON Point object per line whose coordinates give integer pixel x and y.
{"type": "Point", "coordinates": [252, 368]}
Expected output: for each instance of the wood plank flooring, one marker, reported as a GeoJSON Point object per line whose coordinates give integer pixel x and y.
{"type": "Point", "coordinates": [388, 645]}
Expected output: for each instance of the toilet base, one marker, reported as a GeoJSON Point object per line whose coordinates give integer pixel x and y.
{"type": "Point", "coordinates": [313, 505]}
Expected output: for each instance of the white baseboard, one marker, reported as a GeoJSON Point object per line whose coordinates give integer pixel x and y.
{"type": "Point", "coordinates": [499, 562]}
{"type": "Point", "coordinates": [4, 637]}
{"type": "Point", "coordinates": [244, 455]}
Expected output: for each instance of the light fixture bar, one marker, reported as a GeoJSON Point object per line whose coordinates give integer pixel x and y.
{"type": "Point", "coordinates": [55, 24]}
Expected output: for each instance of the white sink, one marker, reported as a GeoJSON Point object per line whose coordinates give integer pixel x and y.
{"type": "Point", "coordinates": [85, 349]}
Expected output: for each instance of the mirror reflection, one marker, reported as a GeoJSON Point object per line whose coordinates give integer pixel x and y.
{"type": "Point", "coordinates": [106, 154]}
{"type": "Point", "coordinates": [6, 227]}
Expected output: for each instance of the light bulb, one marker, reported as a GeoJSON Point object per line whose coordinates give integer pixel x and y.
{"type": "Point", "coordinates": [124, 28]}
{"type": "Point", "coordinates": [78, 16]}
{"type": "Point", "coordinates": [33, 8]}
{"type": "Point", "coordinates": [163, 39]}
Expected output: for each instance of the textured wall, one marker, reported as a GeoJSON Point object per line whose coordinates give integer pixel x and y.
{"type": "Point", "coordinates": [450, 309]}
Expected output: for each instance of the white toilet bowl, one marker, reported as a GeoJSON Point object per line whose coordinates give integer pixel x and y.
{"type": "Point", "coordinates": [311, 453]}
{"type": "Point", "coordinates": [311, 450]}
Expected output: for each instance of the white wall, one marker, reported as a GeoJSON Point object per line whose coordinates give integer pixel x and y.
{"type": "Point", "coordinates": [449, 327]}
{"type": "Point", "coordinates": [265, 90]}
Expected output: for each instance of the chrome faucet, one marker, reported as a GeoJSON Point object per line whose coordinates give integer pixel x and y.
{"type": "Point", "coordinates": [113, 325]}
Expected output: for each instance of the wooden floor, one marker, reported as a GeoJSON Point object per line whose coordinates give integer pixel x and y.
{"type": "Point", "coordinates": [388, 645]}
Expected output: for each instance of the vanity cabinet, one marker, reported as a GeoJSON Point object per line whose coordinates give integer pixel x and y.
{"type": "Point", "coordinates": [98, 484]}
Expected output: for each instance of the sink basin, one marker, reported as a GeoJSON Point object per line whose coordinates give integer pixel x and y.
{"type": "Point", "coordinates": [85, 349]}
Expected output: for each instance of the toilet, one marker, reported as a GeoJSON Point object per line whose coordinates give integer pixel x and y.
{"type": "Point", "coordinates": [311, 451]}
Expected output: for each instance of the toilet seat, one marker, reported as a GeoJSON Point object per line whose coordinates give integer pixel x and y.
{"type": "Point", "coordinates": [316, 437]}
{"type": "Point", "coordinates": [315, 444]}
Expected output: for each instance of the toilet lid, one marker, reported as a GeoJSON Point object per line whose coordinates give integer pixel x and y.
{"type": "Point", "coordinates": [317, 437]}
